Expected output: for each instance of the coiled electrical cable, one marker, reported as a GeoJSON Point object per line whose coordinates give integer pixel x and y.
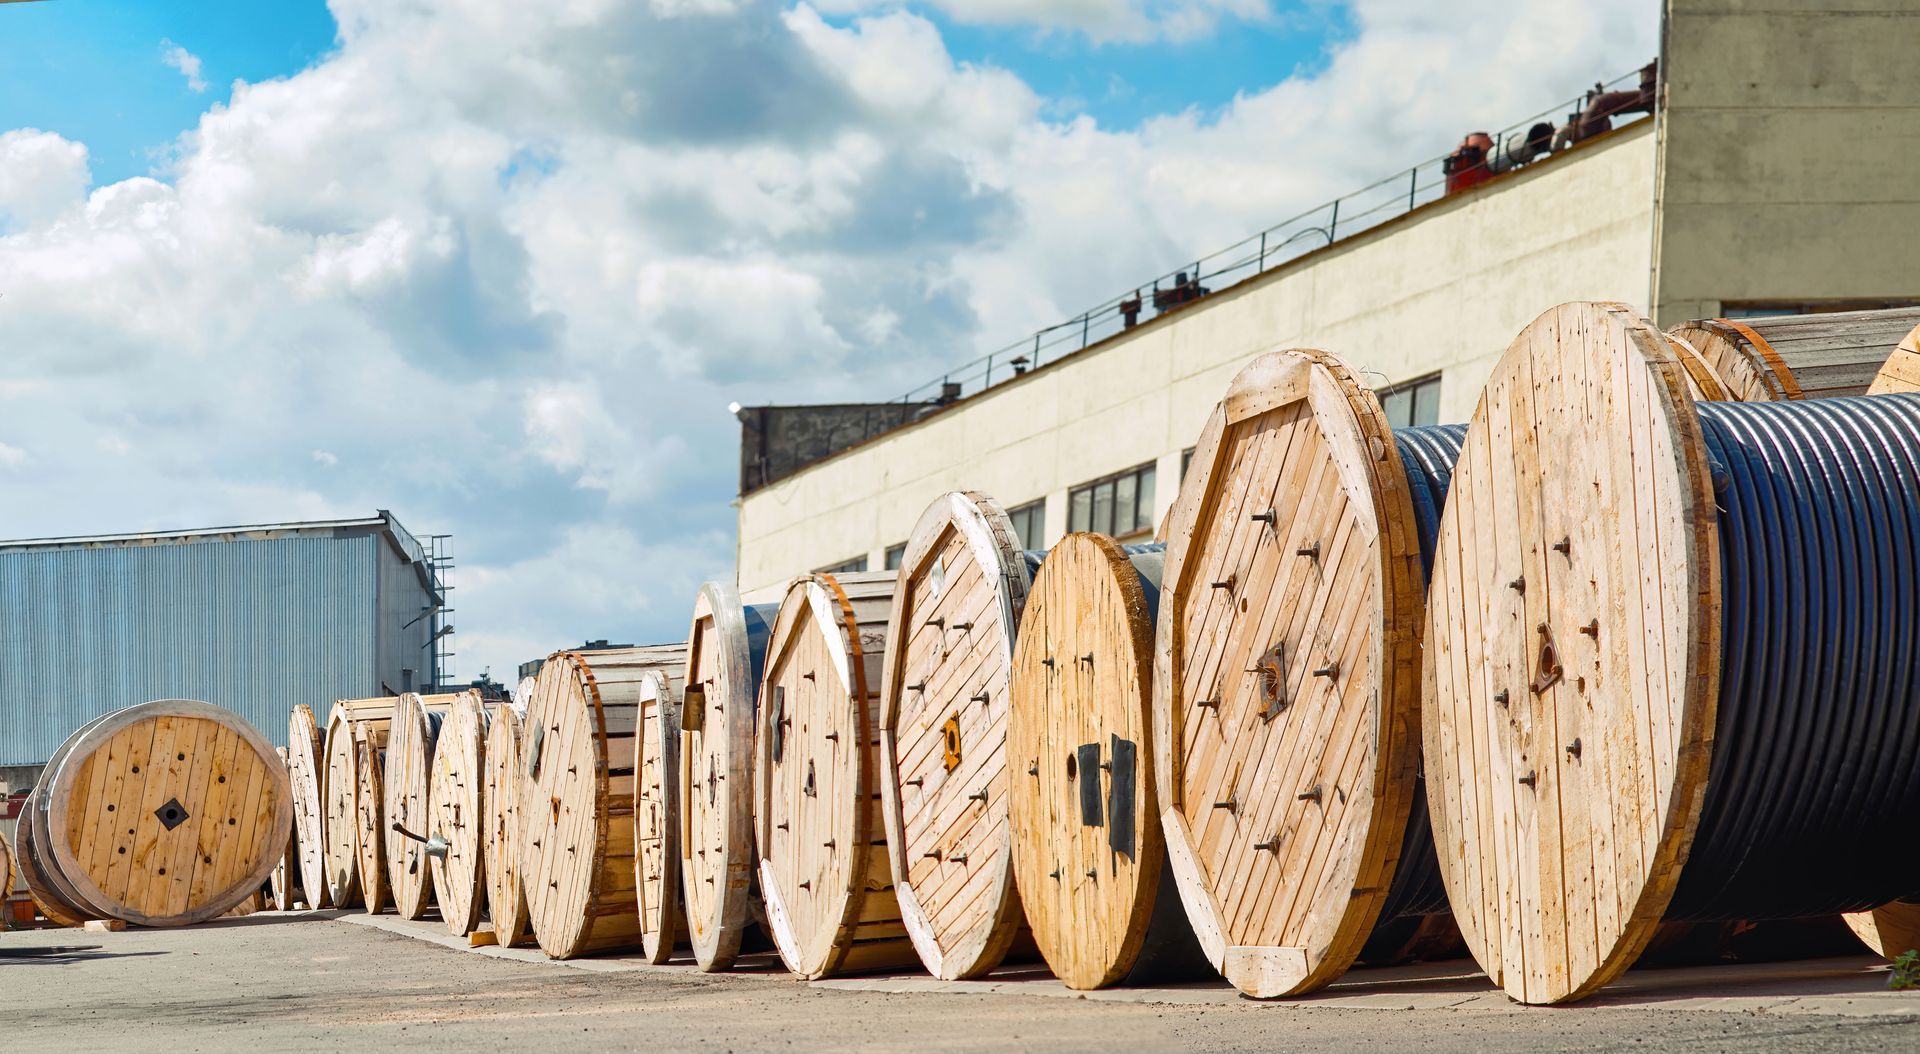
{"type": "Point", "coordinates": [1428, 453]}
{"type": "Point", "coordinates": [1814, 786]}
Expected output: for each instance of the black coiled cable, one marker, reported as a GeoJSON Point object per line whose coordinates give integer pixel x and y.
{"type": "Point", "coordinates": [1813, 793]}
{"type": "Point", "coordinates": [1429, 454]}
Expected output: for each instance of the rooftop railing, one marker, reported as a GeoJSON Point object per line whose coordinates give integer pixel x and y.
{"type": "Point", "coordinates": [1524, 142]}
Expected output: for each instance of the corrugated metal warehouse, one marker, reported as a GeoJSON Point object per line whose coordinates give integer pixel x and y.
{"type": "Point", "coordinates": [255, 619]}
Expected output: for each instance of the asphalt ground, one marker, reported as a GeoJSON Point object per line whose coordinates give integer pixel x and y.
{"type": "Point", "coordinates": [342, 981]}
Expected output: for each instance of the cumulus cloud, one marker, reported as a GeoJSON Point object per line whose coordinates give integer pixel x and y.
{"type": "Point", "coordinates": [179, 58]}
{"type": "Point", "coordinates": [1099, 20]}
{"type": "Point", "coordinates": [511, 261]}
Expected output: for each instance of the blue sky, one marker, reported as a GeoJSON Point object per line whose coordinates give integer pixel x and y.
{"type": "Point", "coordinates": [501, 266]}
{"type": "Point", "coordinates": [93, 70]}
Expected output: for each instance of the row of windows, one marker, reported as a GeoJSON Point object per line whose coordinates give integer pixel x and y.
{"type": "Point", "coordinates": [1121, 505]}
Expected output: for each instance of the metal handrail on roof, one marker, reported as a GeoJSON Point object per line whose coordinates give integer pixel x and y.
{"type": "Point", "coordinates": [1513, 147]}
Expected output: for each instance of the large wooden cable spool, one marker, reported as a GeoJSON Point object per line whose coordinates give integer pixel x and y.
{"type": "Point", "coordinates": [1624, 721]}
{"type": "Point", "coordinates": [406, 776]}
{"type": "Point", "coordinates": [1812, 356]}
{"type": "Point", "coordinates": [6, 879]}
{"type": "Point", "coordinates": [52, 905]}
{"type": "Point", "coordinates": [824, 870]}
{"type": "Point", "coordinates": [506, 895]}
{"type": "Point", "coordinates": [1891, 930]}
{"type": "Point", "coordinates": [341, 821]}
{"type": "Point", "coordinates": [726, 653]}
{"type": "Point", "coordinates": [370, 817]}
{"type": "Point", "coordinates": [306, 755]}
{"type": "Point", "coordinates": [1902, 370]}
{"type": "Point", "coordinates": [163, 814]}
{"type": "Point", "coordinates": [1286, 690]}
{"type": "Point", "coordinates": [1088, 853]}
{"type": "Point", "coordinates": [943, 731]}
{"type": "Point", "coordinates": [577, 799]}
{"type": "Point", "coordinates": [656, 814]}
{"type": "Point", "coordinates": [284, 881]}
{"type": "Point", "coordinates": [456, 814]}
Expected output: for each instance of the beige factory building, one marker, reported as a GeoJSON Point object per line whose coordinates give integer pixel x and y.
{"type": "Point", "coordinates": [1779, 173]}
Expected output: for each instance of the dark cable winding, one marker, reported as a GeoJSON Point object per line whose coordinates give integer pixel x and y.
{"type": "Point", "coordinates": [1814, 787]}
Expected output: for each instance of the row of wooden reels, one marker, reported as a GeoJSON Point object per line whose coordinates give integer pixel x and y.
{"type": "Point", "coordinates": [1203, 753]}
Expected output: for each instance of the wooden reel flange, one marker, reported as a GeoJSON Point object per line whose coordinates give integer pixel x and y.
{"type": "Point", "coordinates": [506, 894]}
{"type": "Point", "coordinates": [656, 814]}
{"type": "Point", "coordinates": [823, 867]}
{"type": "Point", "coordinates": [306, 773]}
{"type": "Point", "coordinates": [1572, 661]}
{"type": "Point", "coordinates": [406, 777]}
{"type": "Point", "coordinates": [726, 650]}
{"type": "Point", "coordinates": [456, 814]}
{"type": "Point", "coordinates": [943, 731]}
{"type": "Point", "coordinates": [1285, 697]}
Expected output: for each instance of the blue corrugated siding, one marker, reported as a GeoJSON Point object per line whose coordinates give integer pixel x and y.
{"type": "Point", "coordinates": [254, 626]}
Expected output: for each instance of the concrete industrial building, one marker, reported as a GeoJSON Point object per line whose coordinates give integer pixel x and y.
{"type": "Point", "coordinates": [1776, 175]}
{"type": "Point", "coordinates": [254, 619]}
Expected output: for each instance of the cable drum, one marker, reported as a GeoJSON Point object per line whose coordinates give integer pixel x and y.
{"type": "Point", "coordinates": [1812, 791]}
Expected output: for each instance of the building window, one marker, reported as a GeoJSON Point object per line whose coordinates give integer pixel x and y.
{"type": "Point", "coordinates": [1030, 524]}
{"type": "Point", "coordinates": [1117, 505]}
{"type": "Point", "coordinates": [1186, 459]}
{"type": "Point", "coordinates": [1412, 404]}
{"type": "Point", "coordinates": [895, 554]}
{"type": "Point", "coordinates": [858, 563]}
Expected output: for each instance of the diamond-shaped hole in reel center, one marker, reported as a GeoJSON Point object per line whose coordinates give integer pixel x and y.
{"type": "Point", "coordinates": [172, 814]}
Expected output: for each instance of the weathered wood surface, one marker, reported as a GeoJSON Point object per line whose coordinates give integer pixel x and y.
{"type": "Point", "coordinates": [506, 896]}
{"type": "Point", "coordinates": [406, 774]}
{"type": "Point", "coordinates": [52, 905]}
{"type": "Point", "coordinates": [577, 798]}
{"type": "Point", "coordinates": [1902, 370]}
{"type": "Point", "coordinates": [726, 650]}
{"type": "Point", "coordinates": [1815, 356]}
{"type": "Point", "coordinates": [1286, 691]}
{"type": "Point", "coordinates": [6, 879]}
{"type": "Point", "coordinates": [456, 813]}
{"type": "Point", "coordinates": [284, 881]}
{"type": "Point", "coordinates": [370, 817]}
{"type": "Point", "coordinates": [163, 814]}
{"type": "Point", "coordinates": [823, 866]}
{"type": "Point", "coordinates": [1087, 848]}
{"type": "Point", "coordinates": [340, 780]}
{"type": "Point", "coordinates": [1571, 661]}
{"type": "Point", "coordinates": [962, 585]}
{"type": "Point", "coordinates": [656, 814]}
{"type": "Point", "coordinates": [306, 754]}
{"type": "Point", "coordinates": [1890, 930]}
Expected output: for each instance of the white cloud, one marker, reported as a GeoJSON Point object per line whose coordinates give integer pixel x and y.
{"type": "Point", "coordinates": [42, 176]}
{"type": "Point", "coordinates": [185, 61]}
{"type": "Point", "coordinates": [1099, 20]}
{"type": "Point", "coordinates": [511, 261]}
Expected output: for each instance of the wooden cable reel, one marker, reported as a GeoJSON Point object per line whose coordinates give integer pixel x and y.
{"type": "Point", "coordinates": [54, 907]}
{"type": "Point", "coordinates": [726, 652]}
{"type": "Point", "coordinates": [1902, 370]}
{"type": "Point", "coordinates": [456, 814]}
{"type": "Point", "coordinates": [1087, 847]}
{"type": "Point", "coordinates": [577, 798]}
{"type": "Point", "coordinates": [1285, 695]}
{"type": "Point", "coordinates": [943, 730]}
{"type": "Point", "coordinates": [369, 817]}
{"type": "Point", "coordinates": [340, 778]}
{"type": "Point", "coordinates": [1792, 356]}
{"type": "Point", "coordinates": [1572, 721]}
{"type": "Point", "coordinates": [163, 814]}
{"type": "Point", "coordinates": [284, 881]}
{"type": "Point", "coordinates": [656, 814]}
{"type": "Point", "coordinates": [305, 756]}
{"type": "Point", "coordinates": [6, 880]}
{"type": "Point", "coordinates": [824, 870]}
{"type": "Point", "coordinates": [506, 895]}
{"type": "Point", "coordinates": [406, 776]}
